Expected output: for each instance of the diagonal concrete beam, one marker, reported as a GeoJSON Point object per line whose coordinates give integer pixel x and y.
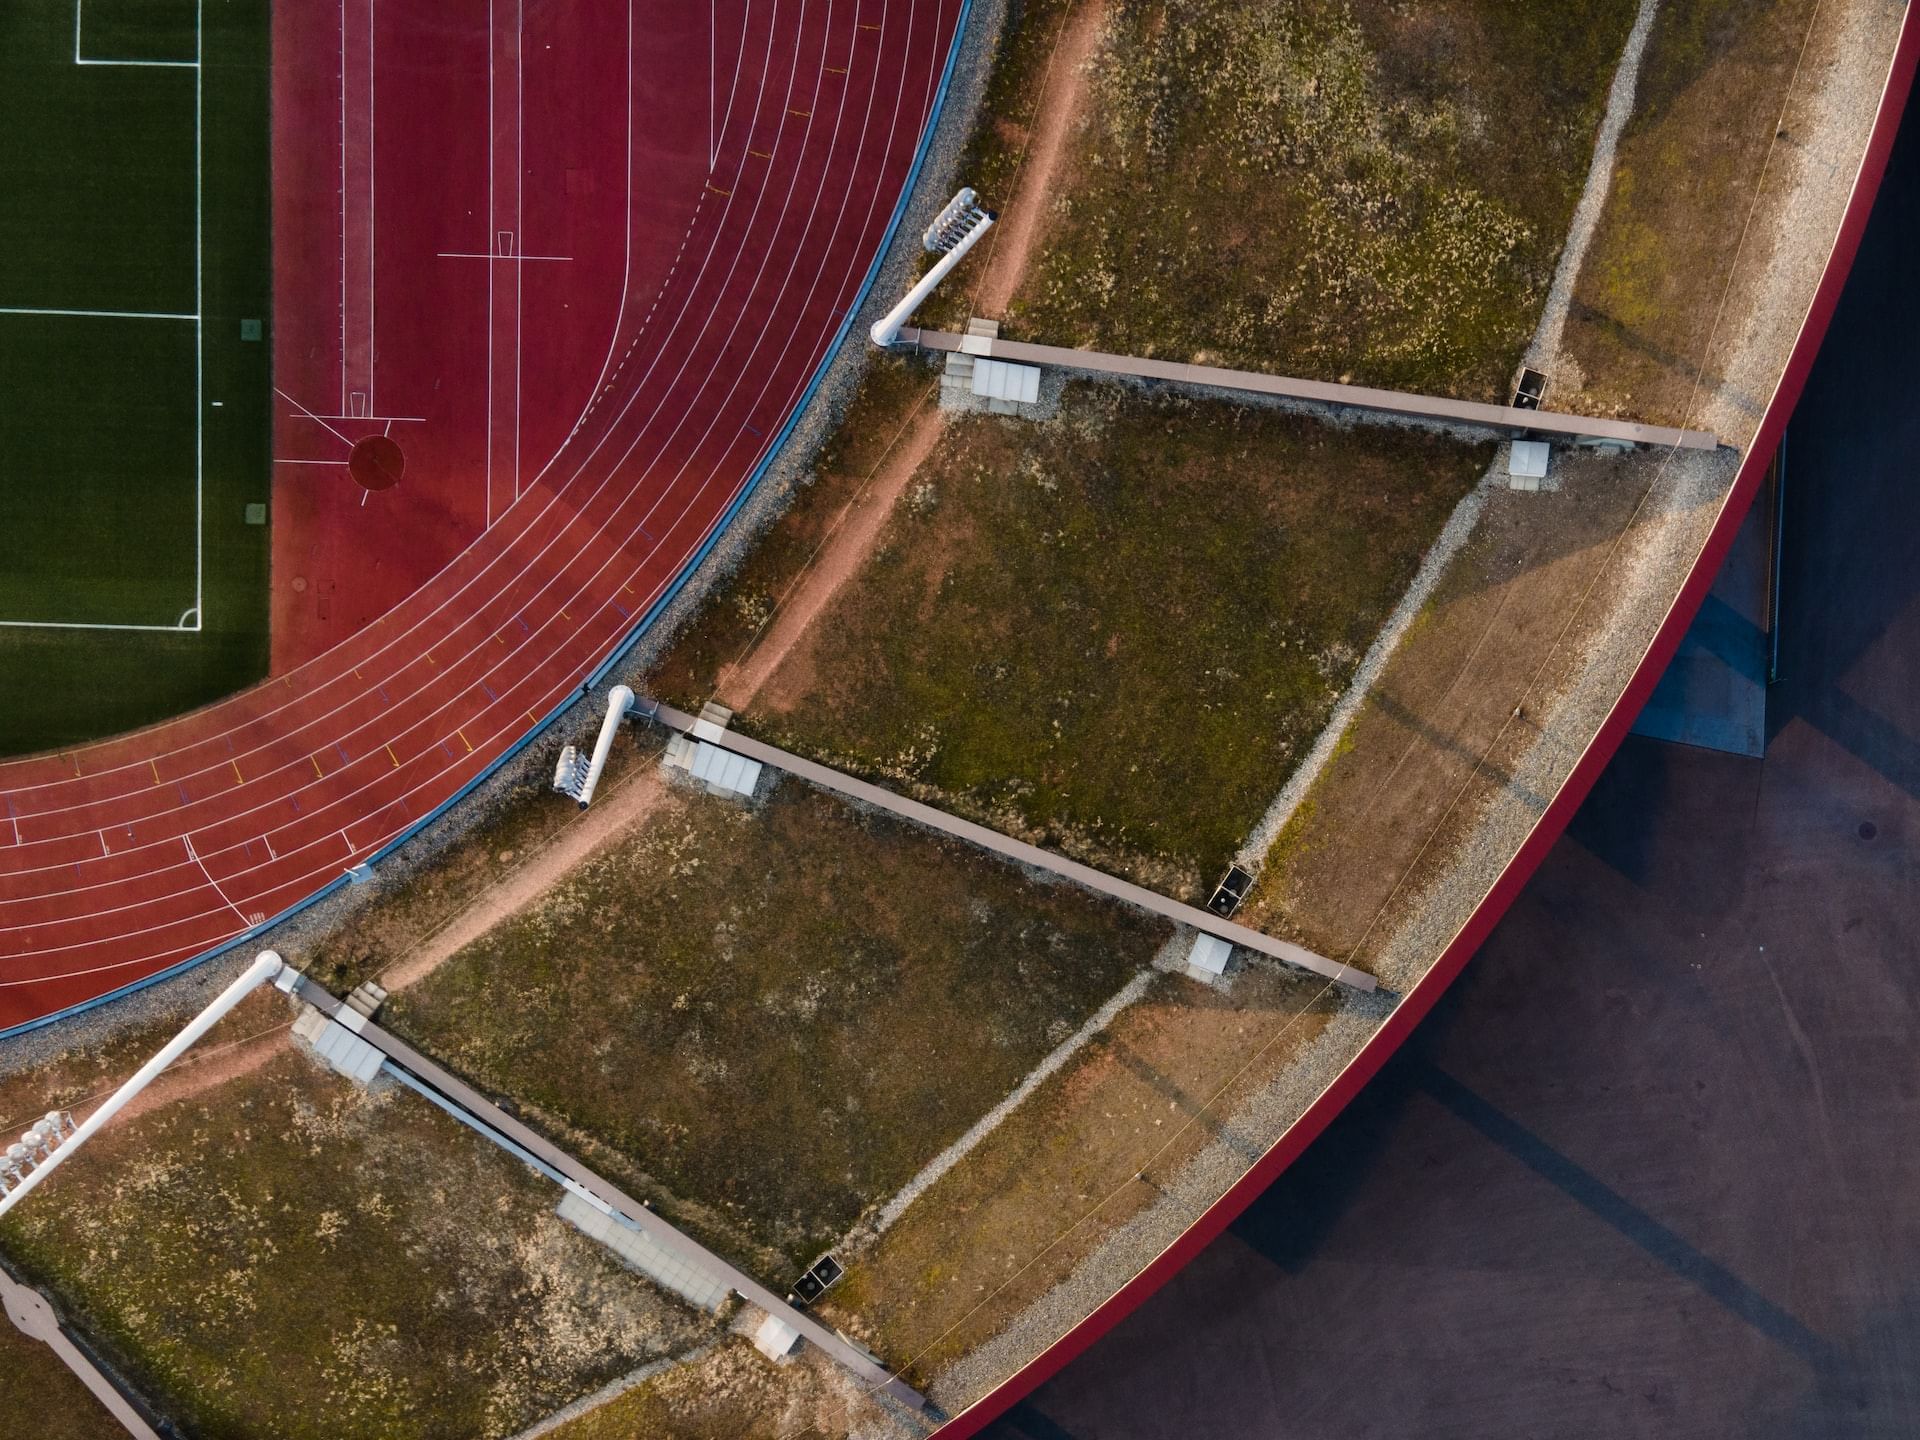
{"type": "Point", "coordinates": [33, 1316]}
{"type": "Point", "coordinates": [1011, 849]}
{"type": "Point", "coordinates": [1504, 418]}
{"type": "Point", "coordinates": [404, 1057]}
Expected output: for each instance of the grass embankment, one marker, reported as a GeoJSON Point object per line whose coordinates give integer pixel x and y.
{"type": "Point", "coordinates": [1704, 116]}
{"type": "Point", "coordinates": [527, 817]}
{"type": "Point", "coordinates": [284, 1254]}
{"type": "Point", "coordinates": [33, 1383]}
{"type": "Point", "coordinates": [774, 1017]}
{"type": "Point", "coordinates": [1050, 1184]}
{"type": "Point", "coordinates": [125, 490]}
{"type": "Point", "coordinates": [734, 1394]}
{"type": "Point", "coordinates": [1117, 633]}
{"type": "Point", "coordinates": [1334, 190]}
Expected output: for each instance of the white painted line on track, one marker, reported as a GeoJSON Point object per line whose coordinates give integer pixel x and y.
{"type": "Point", "coordinates": [505, 730]}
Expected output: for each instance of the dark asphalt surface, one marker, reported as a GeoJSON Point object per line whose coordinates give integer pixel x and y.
{"type": "Point", "coordinates": [1652, 1168]}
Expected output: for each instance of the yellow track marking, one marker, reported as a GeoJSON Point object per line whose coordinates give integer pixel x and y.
{"type": "Point", "coordinates": [393, 757]}
{"type": "Point", "coordinates": [464, 741]}
{"type": "Point", "coordinates": [236, 771]}
{"type": "Point", "coordinates": [316, 766]}
{"type": "Point", "coordinates": [155, 764]}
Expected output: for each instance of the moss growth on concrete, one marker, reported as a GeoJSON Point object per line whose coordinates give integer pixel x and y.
{"type": "Point", "coordinates": [1704, 116]}
{"type": "Point", "coordinates": [33, 1383]}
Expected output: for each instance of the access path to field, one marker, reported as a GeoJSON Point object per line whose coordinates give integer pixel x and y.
{"type": "Point", "coordinates": [584, 424]}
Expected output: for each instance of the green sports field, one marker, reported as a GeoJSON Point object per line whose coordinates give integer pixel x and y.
{"type": "Point", "coordinates": [134, 361]}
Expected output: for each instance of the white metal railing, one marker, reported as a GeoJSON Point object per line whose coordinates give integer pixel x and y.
{"type": "Point", "coordinates": [41, 1150]}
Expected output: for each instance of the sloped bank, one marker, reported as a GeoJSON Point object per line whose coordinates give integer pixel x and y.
{"type": "Point", "coordinates": [1791, 279]}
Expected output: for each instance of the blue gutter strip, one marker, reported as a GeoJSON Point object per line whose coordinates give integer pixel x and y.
{"type": "Point", "coordinates": [623, 647]}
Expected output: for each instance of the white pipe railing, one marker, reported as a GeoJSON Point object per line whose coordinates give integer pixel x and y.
{"type": "Point", "coordinates": [574, 777]}
{"type": "Point", "coordinates": [266, 966]}
{"type": "Point", "coordinates": [887, 329]}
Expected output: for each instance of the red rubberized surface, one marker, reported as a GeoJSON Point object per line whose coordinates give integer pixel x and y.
{"type": "Point", "coordinates": [1552, 823]}
{"type": "Point", "coordinates": [574, 429]}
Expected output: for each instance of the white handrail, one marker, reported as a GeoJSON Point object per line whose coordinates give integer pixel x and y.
{"type": "Point", "coordinates": [887, 329]}
{"type": "Point", "coordinates": [267, 966]}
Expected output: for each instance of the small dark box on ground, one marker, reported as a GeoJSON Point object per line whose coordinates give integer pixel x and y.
{"type": "Point", "coordinates": [1231, 890]}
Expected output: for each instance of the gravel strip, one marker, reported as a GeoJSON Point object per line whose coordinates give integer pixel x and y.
{"type": "Point", "coordinates": [1544, 352]}
{"type": "Point", "coordinates": [1541, 352]}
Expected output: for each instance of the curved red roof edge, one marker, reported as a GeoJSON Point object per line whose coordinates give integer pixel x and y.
{"type": "Point", "coordinates": [1553, 821]}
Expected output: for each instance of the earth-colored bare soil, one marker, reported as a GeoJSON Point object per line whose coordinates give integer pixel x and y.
{"type": "Point", "coordinates": [1058, 110]}
{"type": "Point", "coordinates": [787, 641]}
{"type": "Point", "coordinates": [33, 1383]}
{"type": "Point", "coordinates": [401, 928]}
{"type": "Point", "coordinates": [616, 809]}
{"type": "Point", "coordinates": [211, 1068]}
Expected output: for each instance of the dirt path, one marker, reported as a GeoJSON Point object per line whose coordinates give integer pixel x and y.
{"type": "Point", "coordinates": [858, 531]}
{"type": "Point", "coordinates": [611, 814]}
{"type": "Point", "coordinates": [1063, 96]}
{"type": "Point", "coordinates": [785, 649]}
{"type": "Point", "coordinates": [193, 1076]}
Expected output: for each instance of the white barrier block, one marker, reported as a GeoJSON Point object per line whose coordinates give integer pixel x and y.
{"type": "Point", "coordinates": [776, 1339]}
{"type": "Point", "coordinates": [1209, 954]}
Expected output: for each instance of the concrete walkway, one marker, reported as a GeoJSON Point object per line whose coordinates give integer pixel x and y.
{"type": "Point", "coordinates": [663, 1236]}
{"type": "Point", "coordinates": [1016, 850]}
{"type": "Point", "coordinates": [1502, 418]}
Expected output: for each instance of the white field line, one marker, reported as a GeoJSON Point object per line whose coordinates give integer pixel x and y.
{"type": "Point", "coordinates": [1466, 514]}
{"type": "Point", "coordinates": [99, 314]}
{"type": "Point", "coordinates": [199, 310]}
{"type": "Point", "coordinates": [86, 625]}
{"type": "Point", "coordinates": [194, 856]}
{"type": "Point", "coordinates": [374, 419]}
{"type": "Point", "coordinates": [989, 1122]}
{"type": "Point", "coordinates": [373, 159]}
{"type": "Point", "coordinates": [195, 319]}
{"type": "Point", "coordinates": [343, 206]}
{"type": "Point", "coordinates": [626, 269]}
{"type": "Point", "coordinates": [851, 278]}
{"type": "Point", "coordinates": [493, 245]}
{"type": "Point", "coordinates": [80, 59]}
{"type": "Point", "coordinates": [317, 419]}
{"type": "Point", "coordinates": [476, 255]}
{"type": "Point", "coordinates": [715, 134]}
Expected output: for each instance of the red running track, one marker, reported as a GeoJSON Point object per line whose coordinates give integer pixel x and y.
{"type": "Point", "coordinates": [575, 499]}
